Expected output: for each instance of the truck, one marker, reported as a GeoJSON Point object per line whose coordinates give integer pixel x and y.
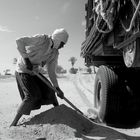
{"type": "Point", "coordinates": [112, 44]}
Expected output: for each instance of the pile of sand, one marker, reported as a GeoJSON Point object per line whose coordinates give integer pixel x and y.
{"type": "Point", "coordinates": [60, 123]}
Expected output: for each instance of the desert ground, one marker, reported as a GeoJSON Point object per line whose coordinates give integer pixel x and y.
{"type": "Point", "coordinates": [59, 123]}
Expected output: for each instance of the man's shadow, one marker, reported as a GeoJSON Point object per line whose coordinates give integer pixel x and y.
{"type": "Point", "coordinates": [83, 127]}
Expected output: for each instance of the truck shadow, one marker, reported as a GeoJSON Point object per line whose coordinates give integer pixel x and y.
{"type": "Point", "coordinates": [83, 128]}
{"type": "Point", "coordinates": [107, 134]}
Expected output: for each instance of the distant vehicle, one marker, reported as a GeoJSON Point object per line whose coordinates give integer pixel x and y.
{"type": "Point", "coordinates": [112, 43]}
{"type": "Point", "coordinates": [7, 72]}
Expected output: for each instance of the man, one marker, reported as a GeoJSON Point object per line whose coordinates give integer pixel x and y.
{"type": "Point", "coordinates": [36, 51]}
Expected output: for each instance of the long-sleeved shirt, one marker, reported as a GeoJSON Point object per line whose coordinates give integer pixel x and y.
{"type": "Point", "coordinates": [38, 49]}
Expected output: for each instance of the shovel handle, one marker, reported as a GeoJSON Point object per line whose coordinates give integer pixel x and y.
{"type": "Point", "coordinates": [72, 105]}
{"type": "Point", "coordinates": [53, 88]}
{"type": "Point", "coordinates": [45, 81]}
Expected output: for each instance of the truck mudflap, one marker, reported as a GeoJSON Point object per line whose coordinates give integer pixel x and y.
{"type": "Point", "coordinates": [131, 49]}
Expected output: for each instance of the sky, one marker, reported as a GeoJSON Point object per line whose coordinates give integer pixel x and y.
{"type": "Point", "coordinates": [29, 17]}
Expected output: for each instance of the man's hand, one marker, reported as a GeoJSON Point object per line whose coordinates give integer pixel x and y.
{"type": "Point", "coordinates": [60, 93]}
{"type": "Point", "coordinates": [28, 63]}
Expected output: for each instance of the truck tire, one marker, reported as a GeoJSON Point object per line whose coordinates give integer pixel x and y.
{"type": "Point", "coordinates": [106, 100]}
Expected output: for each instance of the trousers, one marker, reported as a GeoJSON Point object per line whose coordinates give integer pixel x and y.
{"type": "Point", "coordinates": [33, 92]}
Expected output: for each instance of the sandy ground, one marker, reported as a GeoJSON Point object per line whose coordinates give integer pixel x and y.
{"type": "Point", "coordinates": [59, 123]}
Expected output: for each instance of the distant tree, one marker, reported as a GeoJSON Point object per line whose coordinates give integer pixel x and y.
{"type": "Point", "coordinates": [72, 60]}
{"type": "Point", "coordinates": [89, 70]}
{"type": "Point", "coordinates": [60, 69]}
{"type": "Point", "coordinates": [14, 60]}
{"type": "Point", "coordinates": [94, 70]}
{"type": "Point", "coordinates": [73, 70]}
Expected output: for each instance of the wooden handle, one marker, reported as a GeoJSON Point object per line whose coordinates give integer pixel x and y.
{"type": "Point", "coordinates": [73, 105]}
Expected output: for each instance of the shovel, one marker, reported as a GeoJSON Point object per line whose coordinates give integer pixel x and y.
{"type": "Point", "coordinates": [53, 88]}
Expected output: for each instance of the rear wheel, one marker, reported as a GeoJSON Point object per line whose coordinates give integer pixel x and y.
{"type": "Point", "coordinates": [116, 96]}
{"type": "Point", "coordinates": [105, 98]}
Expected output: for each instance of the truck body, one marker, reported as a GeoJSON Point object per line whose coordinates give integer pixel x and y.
{"type": "Point", "coordinates": [112, 39]}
